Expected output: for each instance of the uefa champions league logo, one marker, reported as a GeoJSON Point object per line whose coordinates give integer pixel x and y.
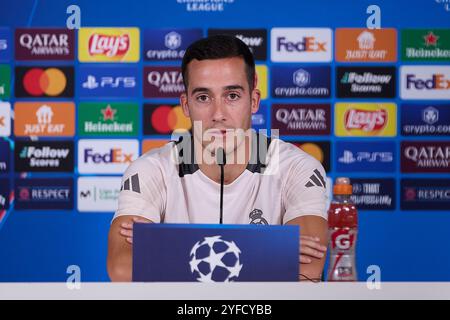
{"type": "Point", "coordinates": [215, 260]}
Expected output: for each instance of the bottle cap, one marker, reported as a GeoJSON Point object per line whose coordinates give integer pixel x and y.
{"type": "Point", "coordinates": [342, 186]}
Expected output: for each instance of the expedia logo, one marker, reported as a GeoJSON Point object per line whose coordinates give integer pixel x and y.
{"type": "Point", "coordinates": [365, 120]}
{"type": "Point", "coordinates": [106, 156]}
{"type": "Point", "coordinates": [425, 82]}
{"type": "Point", "coordinates": [44, 44]}
{"type": "Point", "coordinates": [427, 156]}
{"type": "Point", "coordinates": [163, 82]}
{"type": "Point", "coordinates": [44, 156]}
{"type": "Point", "coordinates": [164, 119]}
{"type": "Point", "coordinates": [44, 82]}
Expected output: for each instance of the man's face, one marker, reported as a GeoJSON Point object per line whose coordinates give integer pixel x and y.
{"type": "Point", "coordinates": [218, 97]}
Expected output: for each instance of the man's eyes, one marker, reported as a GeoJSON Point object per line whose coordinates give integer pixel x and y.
{"type": "Point", "coordinates": [202, 98]}
{"type": "Point", "coordinates": [233, 96]}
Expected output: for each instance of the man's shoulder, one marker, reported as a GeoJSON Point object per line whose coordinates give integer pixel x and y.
{"type": "Point", "coordinates": [161, 158]}
{"type": "Point", "coordinates": [288, 155]}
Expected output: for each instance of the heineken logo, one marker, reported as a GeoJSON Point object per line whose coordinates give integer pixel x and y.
{"type": "Point", "coordinates": [426, 45]}
{"type": "Point", "coordinates": [113, 119]}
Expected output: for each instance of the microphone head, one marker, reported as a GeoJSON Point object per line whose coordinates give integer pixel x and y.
{"type": "Point", "coordinates": [221, 157]}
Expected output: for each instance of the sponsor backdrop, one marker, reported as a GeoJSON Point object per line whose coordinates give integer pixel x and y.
{"type": "Point", "coordinates": [77, 106]}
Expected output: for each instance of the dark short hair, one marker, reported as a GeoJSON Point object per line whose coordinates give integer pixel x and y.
{"type": "Point", "coordinates": [219, 47]}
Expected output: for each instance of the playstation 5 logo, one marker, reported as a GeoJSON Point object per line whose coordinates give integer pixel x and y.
{"type": "Point", "coordinates": [91, 83]}
{"type": "Point", "coordinates": [348, 157]}
{"type": "Point", "coordinates": [3, 44]}
{"type": "Point", "coordinates": [111, 82]}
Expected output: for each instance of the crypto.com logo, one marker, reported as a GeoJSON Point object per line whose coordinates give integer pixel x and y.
{"type": "Point", "coordinates": [235, 143]}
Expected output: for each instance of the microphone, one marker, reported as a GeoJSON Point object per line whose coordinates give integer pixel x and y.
{"type": "Point", "coordinates": [221, 161]}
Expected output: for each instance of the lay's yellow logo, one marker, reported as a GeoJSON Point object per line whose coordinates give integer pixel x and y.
{"type": "Point", "coordinates": [108, 45]}
{"type": "Point", "coordinates": [261, 71]}
{"type": "Point", "coordinates": [365, 119]}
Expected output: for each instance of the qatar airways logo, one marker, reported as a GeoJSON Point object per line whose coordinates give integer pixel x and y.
{"type": "Point", "coordinates": [365, 120]}
{"type": "Point", "coordinates": [109, 45]}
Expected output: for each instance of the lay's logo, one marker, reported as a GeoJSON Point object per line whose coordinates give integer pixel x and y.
{"type": "Point", "coordinates": [108, 45]}
{"type": "Point", "coordinates": [365, 119]}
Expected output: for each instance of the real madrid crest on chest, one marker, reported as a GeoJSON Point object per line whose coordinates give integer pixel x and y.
{"type": "Point", "coordinates": [256, 217]}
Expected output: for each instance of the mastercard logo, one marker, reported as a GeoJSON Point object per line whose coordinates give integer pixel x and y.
{"type": "Point", "coordinates": [38, 82]}
{"type": "Point", "coordinates": [168, 119]}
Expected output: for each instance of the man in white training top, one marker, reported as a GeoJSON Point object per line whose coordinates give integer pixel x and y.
{"type": "Point", "coordinates": [266, 180]}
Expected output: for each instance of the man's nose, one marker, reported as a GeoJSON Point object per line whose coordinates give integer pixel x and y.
{"type": "Point", "coordinates": [219, 111]}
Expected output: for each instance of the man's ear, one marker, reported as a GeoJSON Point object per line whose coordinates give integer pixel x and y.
{"type": "Point", "coordinates": [256, 95]}
{"type": "Point", "coordinates": [184, 104]}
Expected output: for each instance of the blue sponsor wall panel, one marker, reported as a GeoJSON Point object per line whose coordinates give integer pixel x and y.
{"type": "Point", "coordinates": [414, 215]}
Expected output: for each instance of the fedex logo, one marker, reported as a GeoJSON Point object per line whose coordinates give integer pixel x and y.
{"type": "Point", "coordinates": [301, 44]}
{"type": "Point", "coordinates": [425, 82]}
{"type": "Point", "coordinates": [115, 155]}
{"type": "Point", "coordinates": [437, 81]}
{"type": "Point", "coordinates": [306, 44]}
{"type": "Point", "coordinates": [106, 156]}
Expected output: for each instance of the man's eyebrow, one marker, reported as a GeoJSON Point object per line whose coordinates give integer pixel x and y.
{"type": "Point", "coordinates": [200, 89]}
{"type": "Point", "coordinates": [234, 87]}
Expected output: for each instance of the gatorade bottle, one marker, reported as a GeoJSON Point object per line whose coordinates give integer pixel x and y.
{"type": "Point", "coordinates": [342, 233]}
